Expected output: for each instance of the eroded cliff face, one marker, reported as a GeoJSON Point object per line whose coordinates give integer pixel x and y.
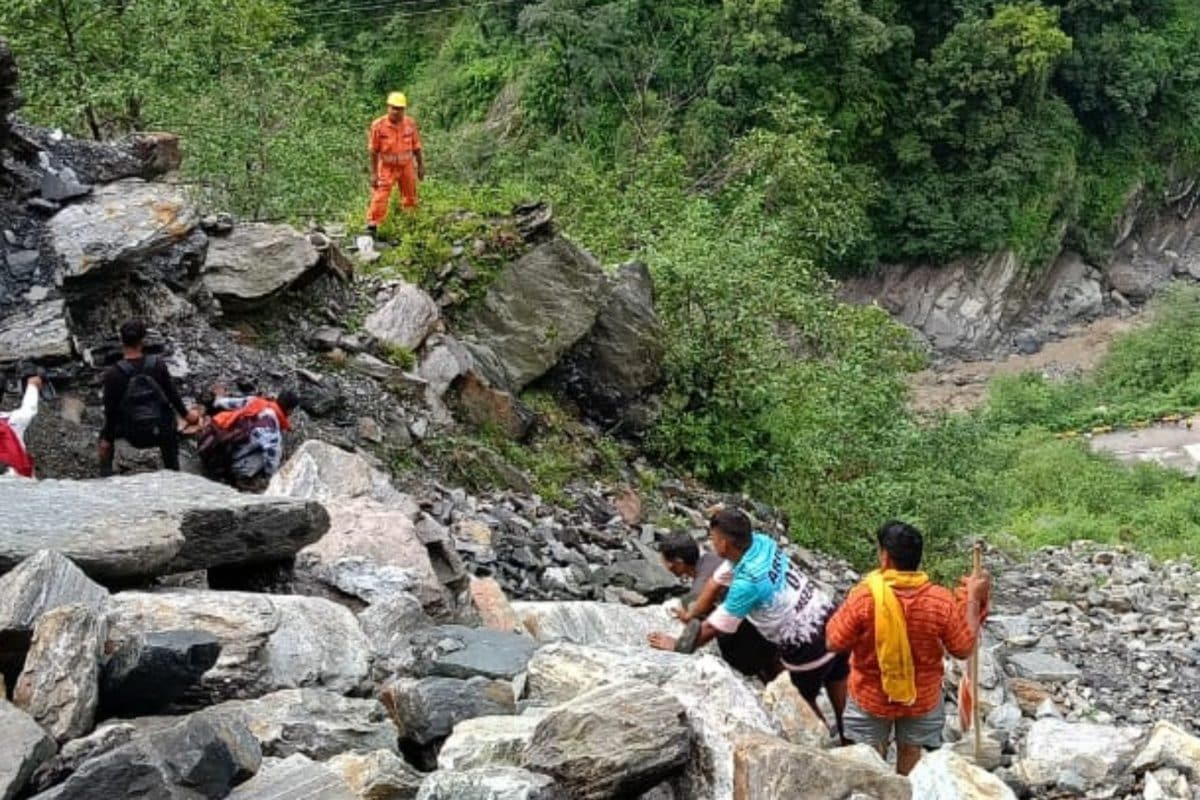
{"type": "Point", "coordinates": [993, 305]}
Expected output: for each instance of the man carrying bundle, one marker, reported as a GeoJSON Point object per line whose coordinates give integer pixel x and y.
{"type": "Point", "coordinates": [896, 625]}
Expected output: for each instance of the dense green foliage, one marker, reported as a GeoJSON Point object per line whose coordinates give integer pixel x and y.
{"type": "Point", "coordinates": [744, 149]}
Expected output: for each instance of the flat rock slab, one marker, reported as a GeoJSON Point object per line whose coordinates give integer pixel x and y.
{"type": "Point", "coordinates": [312, 722]}
{"type": "Point", "coordinates": [463, 652]}
{"type": "Point", "coordinates": [44, 581]}
{"type": "Point", "coordinates": [488, 742]}
{"type": "Point", "coordinates": [144, 526]}
{"type": "Point", "coordinates": [1041, 666]}
{"type": "Point", "coordinates": [592, 623]}
{"type": "Point", "coordinates": [39, 331]}
{"type": "Point", "coordinates": [121, 222]}
{"type": "Point", "coordinates": [294, 778]}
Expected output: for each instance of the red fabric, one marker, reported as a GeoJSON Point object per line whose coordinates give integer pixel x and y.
{"type": "Point", "coordinates": [12, 453]}
{"type": "Point", "coordinates": [936, 623]}
{"type": "Point", "coordinates": [227, 419]}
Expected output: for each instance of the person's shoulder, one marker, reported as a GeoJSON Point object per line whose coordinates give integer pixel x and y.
{"type": "Point", "coordinates": [378, 122]}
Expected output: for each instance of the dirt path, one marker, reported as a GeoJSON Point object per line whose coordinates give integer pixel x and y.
{"type": "Point", "coordinates": [962, 385]}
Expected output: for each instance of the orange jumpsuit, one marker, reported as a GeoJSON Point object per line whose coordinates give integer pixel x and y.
{"type": "Point", "coordinates": [395, 144]}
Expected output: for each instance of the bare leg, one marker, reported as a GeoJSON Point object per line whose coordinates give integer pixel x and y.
{"type": "Point", "coordinates": [907, 756]}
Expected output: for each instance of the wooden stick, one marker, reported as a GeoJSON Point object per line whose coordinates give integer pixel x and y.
{"type": "Point", "coordinates": [976, 571]}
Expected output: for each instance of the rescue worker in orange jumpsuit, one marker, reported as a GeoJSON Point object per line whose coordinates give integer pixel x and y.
{"type": "Point", "coordinates": [395, 147]}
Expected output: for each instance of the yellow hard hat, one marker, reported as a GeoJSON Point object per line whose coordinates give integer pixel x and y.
{"type": "Point", "coordinates": [397, 99]}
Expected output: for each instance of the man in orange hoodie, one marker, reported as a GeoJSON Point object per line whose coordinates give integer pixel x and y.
{"type": "Point", "coordinates": [896, 625]}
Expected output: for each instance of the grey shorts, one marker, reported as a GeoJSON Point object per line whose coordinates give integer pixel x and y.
{"type": "Point", "coordinates": [864, 728]}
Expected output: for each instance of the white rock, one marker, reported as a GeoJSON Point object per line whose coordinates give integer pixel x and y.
{"type": "Point", "coordinates": [488, 742]}
{"type": "Point", "coordinates": [406, 319]}
{"type": "Point", "coordinates": [592, 623]}
{"type": "Point", "coordinates": [1170, 746]}
{"type": "Point", "coordinates": [1054, 748]}
{"type": "Point", "coordinates": [942, 775]}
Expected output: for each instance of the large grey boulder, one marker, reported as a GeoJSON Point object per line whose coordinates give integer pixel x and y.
{"type": "Point", "coordinates": [40, 331]}
{"type": "Point", "coordinates": [1041, 666]}
{"type": "Point", "coordinates": [943, 775]}
{"type": "Point", "coordinates": [649, 578]}
{"type": "Point", "coordinates": [766, 768]}
{"type": "Point", "coordinates": [59, 686]}
{"type": "Point", "coordinates": [200, 756]}
{"type": "Point", "coordinates": [255, 261]}
{"type": "Point", "coordinates": [427, 709]}
{"type": "Point", "coordinates": [372, 551]}
{"type": "Point", "coordinates": [121, 223]}
{"type": "Point", "coordinates": [381, 775]}
{"type": "Point", "coordinates": [389, 625]}
{"type": "Point", "coordinates": [592, 623]}
{"type": "Point", "coordinates": [313, 722]}
{"type": "Point", "coordinates": [621, 357]}
{"type": "Point", "coordinates": [721, 708]}
{"type": "Point", "coordinates": [26, 747]}
{"type": "Point", "coordinates": [561, 671]}
{"type": "Point", "coordinates": [268, 642]}
{"type": "Point", "coordinates": [148, 673]}
{"type": "Point", "coordinates": [538, 308]}
{"type": "Point", "coordinates": [488, 742]}
{"type": "Point", "coordinates": [44, 581]}
{"type": "Point", "coordinates": [294, 778]}
{"type": "Point", "coordinates": [144, 526]}
{"type": "Point", "coordinates": [490, 783]}
{"type": "Point", "coordinates": [320, 471]}
{"type": "Point", "coordinates": [616, 741]}
{"type": "Point", "coordinates": [1075, 751]}
{"type": "Point", "coordinates": [405, 320]}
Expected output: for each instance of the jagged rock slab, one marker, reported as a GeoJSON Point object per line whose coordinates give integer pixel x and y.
{"type": "Point", "coordinates": [405, 320]}
{"type": "Point", "coordinates": [268, 642]}
{"type": "Point", "coordinates": [795, 717]}
{"type": "Point", "coordinates": [143, 526]}
{"type": "Point", "coordinates": [648, 578]}
{"type": "Point", "coordinates": [721, 708]}
{"type": "Point", "coordinates": [121, 223]}
{"type": "Point", "coordinates": [562, 671]}
{"type": "Point", "coordinates": [488, 742]}
{"type": "Point", "coordinates": [427, 709]}
{"type": "Point", "coordinates": [200, 756]}
{"type": "Point", "coordinates": [577, 742]}
{"type": "Point", "coordinates": [319, 471]}
{"type": "Point", "coordinates": [1039, 666]}
{"type": "Point", "coordinates": [147, 673]}
{"type": "Point", "coordinates": [495, 611]}
{"type": "Point", "coordinates": [256, 260]}
{"type": "Point", "coordinates": [942, 775]}
{"type": "Point", "coordinates": [490, 783]}
{"type": "Point", "coordinates": [462, 652]}
{"type": "Point", "coordinates": [44, 581]}
{"type": "Point", "coordinates": [75, 753]}
{"type": "Point", "coordinates": [539, 306]}
{"type": "Point", "coordinates": [59, 686]}
{"type": "Point", "coordinates": [390, 625]}
{"type": "Point", "coordinates": [40, 331]}
{"type": "Point", "coordinates": [621, 356]}
{"type": "Point", "coordinates": [313, 722]}
{"type": "Point", "coordinates": [766, 768]}
{"type": "Point", "coordinates": [592, 623]}
{"type": "Point", "coordinates": [381, 775]}
{"type": "Point", "coordinates": [1089, 752]}
{"type": "Point", "coordinates": [371, 551]}
{"type": "Point", "coordinates": [294, 778]}
{"type": "Point", "coordinates": [1172, 747]}
{"type": "Point", "coordinates": [26, 746]}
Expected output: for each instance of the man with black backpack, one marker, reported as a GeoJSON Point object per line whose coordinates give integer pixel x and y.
{"type": "Point", "coordinates": [141, 403]}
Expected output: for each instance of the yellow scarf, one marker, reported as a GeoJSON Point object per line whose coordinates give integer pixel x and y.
{"type": "Point", "coordinates": [891, 632]}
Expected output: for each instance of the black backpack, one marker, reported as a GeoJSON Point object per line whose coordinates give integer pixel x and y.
{"type": "Point", "coordinates": [146, 416]}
